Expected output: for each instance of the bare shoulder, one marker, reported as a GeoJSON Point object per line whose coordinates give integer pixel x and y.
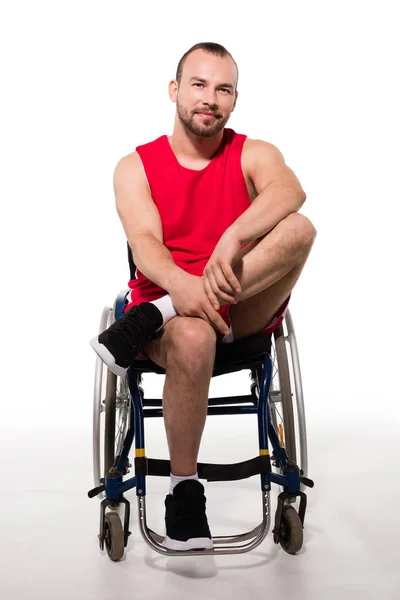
{"type": "Point", "coordinates": [133, 200]}
{"type": "Point", "coordinates": [260, 150]}
{"type": "Point", "coordinates": [263, 163]}
{"type": "Point", "coordinates": [128, 166]}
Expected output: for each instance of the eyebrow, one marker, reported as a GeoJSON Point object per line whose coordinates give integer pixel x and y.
{"type": "Point", "coordinates": [227, 85]}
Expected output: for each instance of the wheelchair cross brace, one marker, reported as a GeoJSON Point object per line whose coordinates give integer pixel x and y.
{"type": "Point", "coordinates": [291, 479]}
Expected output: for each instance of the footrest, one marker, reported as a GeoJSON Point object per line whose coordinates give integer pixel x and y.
{"type": "Point", "coordinates": [210, 472]}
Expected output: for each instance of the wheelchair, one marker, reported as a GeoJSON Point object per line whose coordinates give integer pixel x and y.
{"type": "Point", "coordinates": [119, 410]}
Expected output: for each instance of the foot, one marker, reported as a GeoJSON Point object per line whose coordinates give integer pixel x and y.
{"type": "Point", "coordinates": [119, 345]}
{"type": "Point", "coordinates": [185, 518]}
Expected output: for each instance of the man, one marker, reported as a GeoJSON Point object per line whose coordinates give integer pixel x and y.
{"type": "Point", "coordinates": [212, 220]}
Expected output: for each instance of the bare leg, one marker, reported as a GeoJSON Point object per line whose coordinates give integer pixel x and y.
{"type": "Point", "coordinates": [185, 402]}
{"type": "Point", "coordinates": [268, 270]}
{"type": "Point", "coordinates": [267, 261]}
{"type": "Point", "coordinates": [187, 351]}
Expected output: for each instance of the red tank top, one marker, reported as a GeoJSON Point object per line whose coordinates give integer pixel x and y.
{"type": "Point", "coordinates": [196, 207]}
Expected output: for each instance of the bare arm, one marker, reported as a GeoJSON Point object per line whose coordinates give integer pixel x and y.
{"type": "Point", "coordinates": [142, 224]}
{"type": "Point", "coordinates": [279, 191]}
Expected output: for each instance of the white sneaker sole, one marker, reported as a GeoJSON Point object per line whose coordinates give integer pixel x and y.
{"type": "Point", "coordinates": [107, 357]}
{"type": "Point", "coordinates": [190, 544]}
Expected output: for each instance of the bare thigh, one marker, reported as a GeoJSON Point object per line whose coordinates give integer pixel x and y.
{"type": "Point", "coordinates": [177, 331]}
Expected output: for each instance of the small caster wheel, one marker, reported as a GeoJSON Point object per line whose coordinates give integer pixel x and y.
{"type": "Point", "coordinates": [291, 534]}
{"type": "Point", "coordinates": [114, 536]}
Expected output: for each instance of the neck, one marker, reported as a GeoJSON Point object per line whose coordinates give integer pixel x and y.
{"type": "Point", "coordinates": [191, 146]}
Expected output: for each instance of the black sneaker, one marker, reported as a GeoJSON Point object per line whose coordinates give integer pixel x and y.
{"type": "Point", "coordinates": [185, 518]}
{"type": "Point", "coordinates": [119, 345]}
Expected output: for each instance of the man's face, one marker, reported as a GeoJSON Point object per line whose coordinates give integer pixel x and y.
{"type": "Point", "coordinates": [207, 86]}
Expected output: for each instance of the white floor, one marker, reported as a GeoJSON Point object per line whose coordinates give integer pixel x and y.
{"type": "Point", "coordinates": [49, 526]}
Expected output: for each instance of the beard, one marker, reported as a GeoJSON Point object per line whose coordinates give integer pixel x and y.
{"type": "Point", "coordinates": [194, 125]}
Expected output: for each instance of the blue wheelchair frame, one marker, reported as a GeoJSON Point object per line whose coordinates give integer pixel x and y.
{"type": "Point", "coordinates": [290, 480]}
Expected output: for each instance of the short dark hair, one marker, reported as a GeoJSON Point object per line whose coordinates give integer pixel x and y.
{"type": "Point", "coordinates": [211, 48]}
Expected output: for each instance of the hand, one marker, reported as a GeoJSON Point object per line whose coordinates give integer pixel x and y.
{"type": "Point", "coordinates": [190, 300]}
{"type": "Point", "coordinates": [220, 282]}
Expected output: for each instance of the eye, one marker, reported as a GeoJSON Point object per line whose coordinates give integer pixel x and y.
{"type": "Point", "coordinates": [197, 84]}
{"type": "Point", "coordinates": [225, 90]}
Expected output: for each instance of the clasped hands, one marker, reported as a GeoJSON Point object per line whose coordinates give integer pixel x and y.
{"type": "Point", "coordinates": [220, 282]}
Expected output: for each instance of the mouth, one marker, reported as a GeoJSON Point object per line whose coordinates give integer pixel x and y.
{"type": "Point", "coordinates": [206, 115]}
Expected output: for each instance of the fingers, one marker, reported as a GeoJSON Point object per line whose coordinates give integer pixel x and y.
{"type": "Point", "coordinates": [214, 288]}
{"type": "Point", "coordinates": [211, 296]}
{"type": "Point", "coordinates": [216, 320]}
{"type": "Point", "coordinates": [231, 278]}
{"type": "Point", "coordinates": [216, 300]}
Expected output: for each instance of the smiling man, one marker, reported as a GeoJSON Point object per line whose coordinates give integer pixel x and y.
{"type": "Point", "coordinates": [212, 220]}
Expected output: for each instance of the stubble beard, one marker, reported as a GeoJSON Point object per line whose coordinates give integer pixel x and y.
{"type": "Point", "coordinates": [206, 129]}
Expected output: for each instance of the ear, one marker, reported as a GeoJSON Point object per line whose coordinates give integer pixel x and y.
{"type": "Point", "coordinates": [173, 90]}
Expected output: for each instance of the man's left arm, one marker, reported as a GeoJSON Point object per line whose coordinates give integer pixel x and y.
{"type": "Point", "coordinates": [279, 195]}
{"type": "Point", "coordinates": [279, 192]}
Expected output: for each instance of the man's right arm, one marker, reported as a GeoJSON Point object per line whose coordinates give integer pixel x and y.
{"type": "Point", "coordinates": [142, 223]}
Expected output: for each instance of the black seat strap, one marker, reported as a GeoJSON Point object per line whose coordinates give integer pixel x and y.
{"type": "Point", "coordinates": [210, 472]}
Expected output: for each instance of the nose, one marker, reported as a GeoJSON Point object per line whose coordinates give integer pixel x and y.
{"type": "Point", "coordinates": [210, 107]}
{"type": "Point", "coordinates": [209, 99]}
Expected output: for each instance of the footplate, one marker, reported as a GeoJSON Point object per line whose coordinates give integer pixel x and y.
{"type": "Point", "coordinates": [222, 544]}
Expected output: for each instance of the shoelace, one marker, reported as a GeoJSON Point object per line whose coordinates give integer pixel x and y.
{"type": "Point", "coordinates": [190, 510]}
{"type": "Point", "coordinates": [134, 328]}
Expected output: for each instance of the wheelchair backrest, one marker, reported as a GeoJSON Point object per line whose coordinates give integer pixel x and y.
{"type": "Point", "coordinates": [132, 266]}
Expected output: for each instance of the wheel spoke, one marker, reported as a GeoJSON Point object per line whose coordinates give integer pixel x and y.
{"type": "Point", "coordinates": [122, 408]}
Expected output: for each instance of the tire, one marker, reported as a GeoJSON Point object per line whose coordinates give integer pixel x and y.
{"type": "Point", "coordinates": [286, 395]}
{"type": "Point", "coordinates": [110, 412]}
{"type": "Point", "coordinates": [116, 417]}
{"type": "Point", "coordinates": [280, 393]}
{"type": "Point", "coordinates": [291, 535]}
{"type": "Point", "coordinates": [114, 540]}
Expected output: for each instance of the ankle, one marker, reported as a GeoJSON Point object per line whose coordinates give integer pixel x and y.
{"type": "Point", "coordinates": [164, 305]}
{"type": "Point", "coordinates": [175, 479]}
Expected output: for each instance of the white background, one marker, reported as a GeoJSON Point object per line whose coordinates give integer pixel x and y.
{"type": "Point", "coordinates": [84, 83]}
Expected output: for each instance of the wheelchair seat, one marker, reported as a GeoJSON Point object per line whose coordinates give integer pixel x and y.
{"type": "Point", "coordinates": [238, 355]}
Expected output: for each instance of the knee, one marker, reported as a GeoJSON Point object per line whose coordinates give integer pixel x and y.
{"type": "Point", "coordinates": [192, 342]}
{"type": "Point", "coordinates": [306, 230]}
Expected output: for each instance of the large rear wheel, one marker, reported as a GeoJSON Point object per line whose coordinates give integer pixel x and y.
{"type": "Point", "coordinates": [286, 395]}
{"type": "Point", "coordinates": [110, 412]}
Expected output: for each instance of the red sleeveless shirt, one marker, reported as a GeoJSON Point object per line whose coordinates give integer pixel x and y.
{"type": "Point", "coordinates": [196, 207]}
